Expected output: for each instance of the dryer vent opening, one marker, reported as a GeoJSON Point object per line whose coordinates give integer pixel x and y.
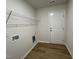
{"type": "Point", "coordinates": [33, 39]}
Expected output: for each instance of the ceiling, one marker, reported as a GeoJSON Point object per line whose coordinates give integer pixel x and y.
{"type": "Point", "coordinates": [44, 3]}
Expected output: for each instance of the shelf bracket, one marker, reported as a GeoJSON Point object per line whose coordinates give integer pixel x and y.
{"type": "Point", "coordinates": [8, 16]}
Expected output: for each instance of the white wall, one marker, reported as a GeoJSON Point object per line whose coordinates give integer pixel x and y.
{"type": "Point", "coordinates": [21, 7]}
{"type": "Point", "coordinates": [69, 27]}
{"type": "Point", "coordinates": [18, 48]}
{"type": "Point", "coordinates": [43, 25]}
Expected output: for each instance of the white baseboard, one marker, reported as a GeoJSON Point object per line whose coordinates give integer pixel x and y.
{"type": "Point", "coordinates": [29, 50]}
{"type": "Point", "coordinates": [68, 49]}
{"type": "Point", "coordinates": [52, 42]}
{"type": "Point", "coordinates": [44, 41]}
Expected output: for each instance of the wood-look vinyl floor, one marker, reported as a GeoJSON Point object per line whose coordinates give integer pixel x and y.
{"type": "Point", "coordinates": [49, 51]}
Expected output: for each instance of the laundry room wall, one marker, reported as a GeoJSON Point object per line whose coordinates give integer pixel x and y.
{"type": "Point", "coordinates": [16, 49]}
{"type": "Point", "coordinates": [43, 25]}
{"type": "Point", "coordinates": [69, 26]}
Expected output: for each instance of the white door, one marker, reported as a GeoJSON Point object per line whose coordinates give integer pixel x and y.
{"type": "Point", "coordinates": [57, 26]}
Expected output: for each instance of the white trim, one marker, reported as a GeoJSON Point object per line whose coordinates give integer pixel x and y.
{"type": "Point", "coordinates": [29, 50]}
{"type": "Point", "coordinates": [44, 41]}
{"type": "Point", "coordinates": [68, 49]}
{"type": "Point", "coordinates": [53, 42]}
{"type": "Point", "coordinates": [58, 43]}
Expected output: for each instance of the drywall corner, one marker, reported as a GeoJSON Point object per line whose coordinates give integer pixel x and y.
{"type": "Point", "coordinates": [69, 49]}
{"type": "Point", "coordinates": [69, 27]}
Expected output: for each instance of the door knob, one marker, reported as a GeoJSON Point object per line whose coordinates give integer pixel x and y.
{"type": "Point", "coordinates": [50, 30]}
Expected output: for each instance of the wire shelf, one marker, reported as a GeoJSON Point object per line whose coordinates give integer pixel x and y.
{"type": "Point", "coordinates": [24, 18]}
